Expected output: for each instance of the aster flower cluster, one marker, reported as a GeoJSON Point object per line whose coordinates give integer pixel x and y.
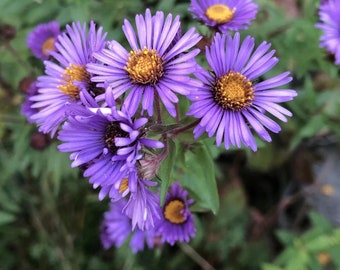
{"type": "Point", "coordinates": [109, 107]}
{"type": "Point", "coordinates": [175, 223]}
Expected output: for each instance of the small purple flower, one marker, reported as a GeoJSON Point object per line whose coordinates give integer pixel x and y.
{"type": "Point", "coordinates": [41, 40]}
{"type": "Point", "coordinates": [155, 67]}
{"type": "Point", "coordinates": [108, 143]}
{"type": "Point", "coordinates": [143, 206]}
{"type": "Point", "coordinates": [66, 81]}
{"type": "Point", "coordinates": [224, 15]}
{"type": "Point", "coordinates": [329, 14]}
{"type": "Point", "coordinates": [232, 102]}
{"type": "Point", "coordinates": [26, 108]}
{"type": "Point", "coordinates": [116, 228]}
{"type": "Point", "coordinates": [177, 223]}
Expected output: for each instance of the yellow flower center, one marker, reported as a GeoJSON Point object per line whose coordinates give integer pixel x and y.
{"type": "Point", "coordinates": [173, 212]}
{"type": "Point", "coordinates": [72, 74]}
{"type": "Point", "coordinates": [47, 46]}
{"type": "Point", "coordinates": [220, 13]}
{"type": "Point", "coordinates": [144, 66]}
{"type": "Point", "coordinates": [233, 91]}
{"type": "Point", "coordinates": [124, 184]}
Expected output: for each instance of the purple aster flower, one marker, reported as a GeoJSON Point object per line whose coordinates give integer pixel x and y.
{"type": "Point", "coordinates": [67, 81]}
{"type": "Point", "coordinates": [143, 206]}
{"type": "Point", "coordinates": [224, 15]}
{"type": "Point", "coordinates": [116, 228]}
{"type": "Point", "coordinates": [41, 40]}
{"type": "Point", "coordinates": [26, 108]}
{"type": "Point", "coordinates": [329, 14]}
{"type": "Point", "coordinates": [156, 66]}
{"type": "Point", "coordinates": [108, 143]}
{"type": "Point", "coordinates": [232, 101]}
{"type": "Point", "coordinates": [177, 222]}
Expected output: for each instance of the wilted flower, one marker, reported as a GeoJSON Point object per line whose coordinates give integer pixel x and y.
{"type": "Point", "coordinates": [231, 102]}
{"type": "Point", "coordinates": [149, 166]}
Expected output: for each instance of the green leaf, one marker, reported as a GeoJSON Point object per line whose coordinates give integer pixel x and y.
{"type": "Point", "coordinates": [270, 267]}
{"type": "Point", "coordinates": [334, 252]}
{"type": "Point", "coordinates": [319, 221]}
{"type": "Point", "coordinates": [331, 103]}
{"type": "Point", "coordinates": [199, 177]}
{"type": "Point", "coordinates": [299, 260]}
{"type": "Point", "coordinates": [166, 169]}
{"type": "Point", "coordinates": [285, 237]}
{"type": "Point", "coordinates": [166, 5]}
{"type": "Point", "coordinates": [321, 243]}
{"type": "Point", "coordinates": [312, 127]}
{"type": "Point", "coordinates": [6, 218]}
{"type": "Point", "coordinates": [286, 255]}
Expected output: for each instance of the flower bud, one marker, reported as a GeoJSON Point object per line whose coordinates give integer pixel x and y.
{"type": "Point", "coordinates": [40, 141]}
{"type": "Point", "coordinates": [24, 84]}
{"type": "Point", "coordinates": [7, 32]}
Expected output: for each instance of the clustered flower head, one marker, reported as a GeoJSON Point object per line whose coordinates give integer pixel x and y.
{"type": "Point", "coordinates": [115, 108]}
{"type": "Point", "coordinates": [175, 223]}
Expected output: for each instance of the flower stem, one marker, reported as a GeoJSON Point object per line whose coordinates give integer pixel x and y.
{"type": "Point", "coordinates": [187, 249]}
{"type": "Point", "coordinates": [158, 109]}
{"type": "Point", "coordinates": [15, 54]}
{"type": "Point", "coordinates": [177, 131]}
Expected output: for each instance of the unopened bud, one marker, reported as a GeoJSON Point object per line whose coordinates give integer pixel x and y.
{"type": "Point", "coordinates": [157, 242]}
{"type": "Point", "coordinates": [40, 141]}
{"type": "Point", "coordinates": [7, 32]}
{"type": "Point", "coordinates": [24, 84]}
{"type": "Point", "coordinates": [205, 41]}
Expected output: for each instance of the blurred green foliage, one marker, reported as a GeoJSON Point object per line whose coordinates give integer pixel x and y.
{"type": "Point", "coordinates": [317, 248]}
{"type": "Point", "coordinates": [50, 216]}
